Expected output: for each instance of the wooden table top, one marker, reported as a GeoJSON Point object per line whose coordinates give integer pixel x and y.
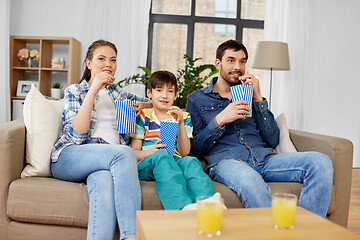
{"type": "Point", "coordinates": [241, 223]}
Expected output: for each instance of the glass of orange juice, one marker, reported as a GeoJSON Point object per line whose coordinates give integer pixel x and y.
{"type": "Point", "coordinates": [209, 214]}
{"type": "Point", "coordinates": [283, 210]}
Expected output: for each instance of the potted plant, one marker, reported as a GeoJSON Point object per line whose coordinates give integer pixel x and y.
{"type": "Point", "coordinates": [56, 90]}
{"type": "Point", "coordinates": [189, 78]}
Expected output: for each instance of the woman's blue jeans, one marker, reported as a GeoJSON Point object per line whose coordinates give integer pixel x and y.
{"type": "Point", "coordinates": [314, 170]}
{"type": "Point", "coordinates": [113, 186]}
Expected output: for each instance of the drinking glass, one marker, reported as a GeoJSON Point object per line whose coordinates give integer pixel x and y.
{"type": "Point", "coordinates": [209, 215]}
{"type": "Point", "coordinates": [283, 210]}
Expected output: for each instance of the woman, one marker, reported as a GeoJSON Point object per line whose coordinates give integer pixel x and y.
{"type": "Point", "coordinates": [90, 147]}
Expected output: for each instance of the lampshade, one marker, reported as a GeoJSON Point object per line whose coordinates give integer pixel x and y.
{"type": "Point", "coordinates": [272, 55]}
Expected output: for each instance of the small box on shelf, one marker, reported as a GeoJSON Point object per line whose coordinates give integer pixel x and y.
{"type": "Point", "coordinates": [17, 111]}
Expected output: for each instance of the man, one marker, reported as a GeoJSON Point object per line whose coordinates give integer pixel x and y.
{"type": "Point", "coordinates": [239, 149]}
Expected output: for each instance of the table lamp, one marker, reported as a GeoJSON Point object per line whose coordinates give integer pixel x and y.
{"type": "Point", "coordinates": [273, 56]}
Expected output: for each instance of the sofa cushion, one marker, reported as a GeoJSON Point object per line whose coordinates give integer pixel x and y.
{"type": "Point", "coordinates": [42, 119]}
{"type": "Point", "coordinates": [51, 201]}
{"type": "Point", "coordinates": [48, 201]}
{"type": "Point", "coordinates": [285, 143]}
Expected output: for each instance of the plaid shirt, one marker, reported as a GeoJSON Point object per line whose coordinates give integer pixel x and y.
{"type": "Point", "coordinates": [73, 99]}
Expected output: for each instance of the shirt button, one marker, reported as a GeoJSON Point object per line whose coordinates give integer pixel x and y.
{"type": "Point", "coordinates": [214, 141]}
{"type": "Point", "coordinates": [262, 105]}
{"type": "Point", "coordinates": [212, 107]}
{"type": "Point", "coordinates": [264, 118]}
{"type": "Point", "coordinates": [242, 138]}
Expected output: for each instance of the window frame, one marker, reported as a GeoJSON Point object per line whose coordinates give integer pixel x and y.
{"type": "Point", "coordinates": [190, 21]}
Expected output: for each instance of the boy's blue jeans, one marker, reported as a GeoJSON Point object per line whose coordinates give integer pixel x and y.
{"type": "Point", "coordinates": [112, 182]}
{"type": "Point", "coordinates": [178, 180]}
{"type": "Point", "coordinates": [314, 170]}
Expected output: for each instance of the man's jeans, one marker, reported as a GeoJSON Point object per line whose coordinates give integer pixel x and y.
{"type": "Point", "coordinates": [314, 170]}
{"type": "Point", "coordinates": [113, 186]}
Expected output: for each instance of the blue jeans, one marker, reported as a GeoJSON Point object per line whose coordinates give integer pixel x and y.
{"type": "Point", "coordinates": [112, 182]}
{"type": "Point", "coordinates": [314, 170]}
{"type": "Point", "coordinates": [178, 180]}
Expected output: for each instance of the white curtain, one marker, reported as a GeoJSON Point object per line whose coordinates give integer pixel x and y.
{"type": "Point", "coordinates": [288, 21]}
{"type": "Point", "coordinates": [4, 61]}
{"type": "Point", "coordinates": [125, 23]}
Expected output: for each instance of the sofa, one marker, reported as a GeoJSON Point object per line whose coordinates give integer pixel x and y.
{"type": "Point", "coordinates": [47, 208]}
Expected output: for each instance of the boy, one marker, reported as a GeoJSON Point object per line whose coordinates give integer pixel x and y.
{"type": "Point", "coordinates": [179, 179]}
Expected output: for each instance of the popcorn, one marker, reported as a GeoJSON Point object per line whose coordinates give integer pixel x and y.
{"type": "Point", "coordinates": [125, 116]}
{"type": "Point", "coordinates": [242, 92]}
{"type": "Point", "coordinates": [168, 132]}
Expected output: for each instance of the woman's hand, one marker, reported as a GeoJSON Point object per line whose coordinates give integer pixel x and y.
{"type": "Point", "coordinates": [176, 113]}
{"type": "Point", "coordinates": [100, 81]}
{"type": "Point", "coordinates": [142, 105]}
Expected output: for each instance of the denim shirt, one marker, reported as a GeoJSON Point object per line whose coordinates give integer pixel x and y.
{"type": "Point", "coordinates": [254, 136]}
{"type": "Point", "coordinates": [73, 99]}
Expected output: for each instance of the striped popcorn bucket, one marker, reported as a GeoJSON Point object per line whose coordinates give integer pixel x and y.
{"type": "Point", "coordinates": [242, 92]}
{"type": "Point", "coordinates": [168, 132]}
{"type": "Point", "coordinates": [125, 116]}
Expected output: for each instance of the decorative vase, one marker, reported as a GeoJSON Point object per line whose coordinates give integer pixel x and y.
{"type": "Point", "coordinates": [28, 62]}
{"type": "Point", "coordinates": [56, 93]}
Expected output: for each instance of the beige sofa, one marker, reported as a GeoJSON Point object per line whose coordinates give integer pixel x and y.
{"type": "Point", "coordinates": [46, 208]}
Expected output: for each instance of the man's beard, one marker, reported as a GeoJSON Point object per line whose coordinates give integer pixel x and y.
{"type": "Point", "coordinates": [227, 77]}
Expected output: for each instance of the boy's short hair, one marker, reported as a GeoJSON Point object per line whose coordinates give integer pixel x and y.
{"type": "Point", "coordinates": [161, 78]}
{"type": "Point", "coordinates": [230, 44]}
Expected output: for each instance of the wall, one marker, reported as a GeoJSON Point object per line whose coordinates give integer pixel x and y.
{"type": "Point", "coordinates": [4, 62]}
{"type": "Point", "coordinates": [334, 60]}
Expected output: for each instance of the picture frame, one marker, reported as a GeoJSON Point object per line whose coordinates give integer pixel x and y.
{"type": "Point", "coordinates": [24, 86]}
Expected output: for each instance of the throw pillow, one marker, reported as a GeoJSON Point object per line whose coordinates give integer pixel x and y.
{"type": "Point", "coordinates": [43, 124]}
{"type": "Point", "coordinates": [285, 143]}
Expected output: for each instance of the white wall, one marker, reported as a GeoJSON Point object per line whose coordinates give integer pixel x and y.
{"type": "Point", "coordinates": [4, 62]}
{"type": "Point", "coordinates": [334, 63]}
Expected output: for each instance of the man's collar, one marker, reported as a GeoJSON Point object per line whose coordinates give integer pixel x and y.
{"type": "Point", "coordinates": [210, 88]}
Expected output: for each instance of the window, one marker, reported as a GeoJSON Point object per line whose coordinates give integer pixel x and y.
{"type": "Point", "coordinates": [197, 27]}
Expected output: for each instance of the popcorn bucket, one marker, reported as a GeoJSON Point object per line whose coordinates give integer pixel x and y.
{"type": "Point", "coordinates": [168, 132]}
{"type": "Point", "coordinates": [242, 92]}
{"type": "Point", "coordinates": [125, 116]}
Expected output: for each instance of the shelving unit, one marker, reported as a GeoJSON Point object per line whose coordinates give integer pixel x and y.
{"type": "Point", "coordinates": [48, 47]}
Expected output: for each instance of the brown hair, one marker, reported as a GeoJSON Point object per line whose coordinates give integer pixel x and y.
{"type": "Point", "coordinates": [90, 54]}
{"type": "Point", "coordinates": [230, 44]}
{"type": "Point", "coordinates": [161, 78]}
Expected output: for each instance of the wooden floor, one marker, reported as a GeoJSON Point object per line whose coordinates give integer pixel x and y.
{"type": "Point", "coordinates": [354, 212]}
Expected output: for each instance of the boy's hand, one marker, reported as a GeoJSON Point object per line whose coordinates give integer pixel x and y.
{"type": "Point", "coordinates": [156, 147]}
{"type": "Point", "coordinates": [176, 113]}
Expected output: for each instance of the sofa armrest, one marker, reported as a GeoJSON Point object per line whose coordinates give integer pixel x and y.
{"type": "Point", "coordinates": [12, 149]}
{"type": "Point", "coordinates": [340, 151]}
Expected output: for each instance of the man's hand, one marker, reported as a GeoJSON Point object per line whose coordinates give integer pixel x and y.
{"type": "Point", "coordinates": [251, 80]}
{"type": "Point", "coordinates": [234, 111]}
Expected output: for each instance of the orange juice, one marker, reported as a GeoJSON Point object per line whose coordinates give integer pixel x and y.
{"type": "Point", "coordinates": [283, 211]}
{"type": "Point", "coordinates": [209, 218]}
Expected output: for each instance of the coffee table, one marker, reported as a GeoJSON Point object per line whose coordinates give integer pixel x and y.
{"type": "Point", "coordinates": [254, 223]}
